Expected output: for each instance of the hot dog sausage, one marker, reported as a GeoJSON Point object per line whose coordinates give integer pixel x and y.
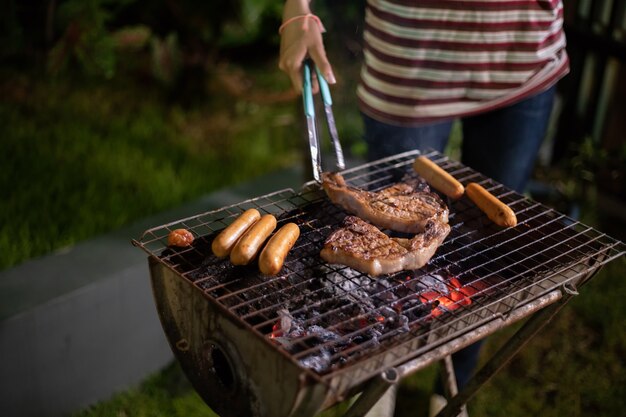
{"type": "Point", "coordinates": [438, 178]}
{"type": "Point", "coordinates": [226, 240]}
{"type": "Point", "coordinates": [496, 210]}
{"type": "Point", "coordinates": [273, 255]}
{"type": "Point", "coordinates": [250, 243]}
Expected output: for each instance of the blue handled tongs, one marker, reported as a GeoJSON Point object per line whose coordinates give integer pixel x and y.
{"type": "Point", "coordinates": [309, 112]}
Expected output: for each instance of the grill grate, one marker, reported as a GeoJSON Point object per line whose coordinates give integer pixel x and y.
{"type": "Point", "coordinates": [330, 318]}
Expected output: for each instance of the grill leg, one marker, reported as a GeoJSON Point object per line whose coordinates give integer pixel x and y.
{"type": "Point", "coordinates": [378, 398]}
{"type": "Point", "coordinates": [448, 378]}
{"type": "Point", "coordinates": [532, 326]}
{"type": "Point", "coordinates": [386, 405]}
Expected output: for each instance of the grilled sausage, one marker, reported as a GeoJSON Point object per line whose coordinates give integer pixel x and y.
{"type": "Point", "coordinates": [250, 243]}
{"type": "Point", "coordinates": [226, 240]}
{"type": "Point", "coordinates": [274, 253]}
{"type": "Point", "coordinates": [438, 178]}
{"type": "Point", "coordinates": [180, 237]}
{"type": "Point", "coordinates": [496, 210]}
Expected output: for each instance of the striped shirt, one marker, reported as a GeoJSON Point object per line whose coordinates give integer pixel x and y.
{"type": "Point", "coordinates": [432, 60]}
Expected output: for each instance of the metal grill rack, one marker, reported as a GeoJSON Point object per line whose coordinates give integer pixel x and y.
{"type": "Point", "coordinates": [354, 327]}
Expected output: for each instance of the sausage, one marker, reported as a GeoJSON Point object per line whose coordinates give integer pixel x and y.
{"type": "Point", "coordinates": [180, 237]}
{"type": "Point", "coordinates": [496, 210]}
{"type": "Point", "coordinates": [226, 240]}
{"type": "Point", "coordinates": [438, 178]}
{"type": "Point", "coordinates": [250, 243]}
{"type": "Point", "coordinates": [274, 253]}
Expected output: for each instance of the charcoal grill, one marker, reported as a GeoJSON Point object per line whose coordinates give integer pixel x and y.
{"type": "Point", "coordinates": [316, 334]}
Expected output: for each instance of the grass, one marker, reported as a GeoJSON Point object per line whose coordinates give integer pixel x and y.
{"type": "Point", "coordinates": [575, 366]}
{"type": "Point", "coordinates": [79, 159]}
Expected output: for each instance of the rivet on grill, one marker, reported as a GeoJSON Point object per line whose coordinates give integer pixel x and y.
{"type": "Point", "coordinates": [182, 345]}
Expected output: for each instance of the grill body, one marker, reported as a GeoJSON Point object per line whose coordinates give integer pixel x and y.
{"type": "Point", "coordinates": [235, 374]}
{"type": "Point", "coordinates": [221, 321]}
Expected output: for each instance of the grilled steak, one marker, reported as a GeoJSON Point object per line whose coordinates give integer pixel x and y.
{"type": "Point", "coordinates": [365, 248]}
{"type": "Point", "coordinates": [403, 207]}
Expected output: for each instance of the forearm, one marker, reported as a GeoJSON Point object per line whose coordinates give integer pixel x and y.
{"type": "Point", "coordinates": [296, 8]}
{"type": "Point", "coordinates": [299, 38]}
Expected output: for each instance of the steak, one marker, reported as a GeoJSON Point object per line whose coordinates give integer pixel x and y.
{"type": "Point", "coordinates": [403, 207]}
{"type": "Point", "coordinates": [364, 247]}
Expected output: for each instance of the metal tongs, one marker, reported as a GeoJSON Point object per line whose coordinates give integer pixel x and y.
{"type": "Point", "coordinates": [309, 112]}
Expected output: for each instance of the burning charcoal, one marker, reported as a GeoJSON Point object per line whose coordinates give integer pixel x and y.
{"type": "Point", "coordinates": [432, 282]}
{"type": "Point", "coordinates": [393, 320]}
{"type": "Point", "coordinates": [449, 297]}
{"type": "Point", "coordinates": [387, 312]}
{"type": "Point", "coordinates": [386, 297]}
{"type": "Point", "coordinates": [383, 283]}
{"type": "Point", "coordinates": [284, 342]}
{"type": "Point", "coordinates": [403, 323]}
{"type": "Point", "coordinates": [298, 340]}
{"type": "Point", "coordinates": [415, 309]}
{"type": "Point", "coordinates": [348, 279]}
{"type": "Point", "coordinates": [374, 335]}
{"type": "Point", "coordinates": [297, 332]}
{"type": "Point", "coordinates": [383, 290]}
{"type": "Point", "coordinates": [324, 335]}
{"type": "Point", "coordinates": [403, 288]}
{"type": "Point", "coordinates": [319, 362]}
{"type": "Point", "coordinates": [285, 320]}
{"type": "Point", "coordinates": [283, 325]}
{"type": "Point", "coordinates": [348, 283]}
{"type": "Point", "coordinates": [358, 339]}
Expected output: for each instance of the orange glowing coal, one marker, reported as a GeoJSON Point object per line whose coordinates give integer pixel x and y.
{"type": "Point", "coordinates": [277, 331]}
{"type": "Point", "coordinates": [457, 296]}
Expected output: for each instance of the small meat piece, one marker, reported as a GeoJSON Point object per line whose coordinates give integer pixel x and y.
{"type": "Point", "coordinates": [365, 248]}
{"type": "Point", "coordinates": [180, 238]}
{"type": "Point", "coordinates": [401, 207]}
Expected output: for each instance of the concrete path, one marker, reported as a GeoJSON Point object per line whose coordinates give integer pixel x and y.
{"type": "Point", "coordinates": [79, 325]}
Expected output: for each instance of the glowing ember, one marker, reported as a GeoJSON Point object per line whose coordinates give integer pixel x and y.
{"type": "Point", "coordinates": [455, 296]}
{"type": "Point", "coordinates": [283, 325]}
{"type": "Point", "coordinates": [363, 310]}
{"type": "Point", "coordinates": [276, 331]}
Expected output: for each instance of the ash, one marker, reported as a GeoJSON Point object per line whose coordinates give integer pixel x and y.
{"type": "Point", "coordinates": [346, 309]}
{"type": "Point", "coordinates": [429, 282]}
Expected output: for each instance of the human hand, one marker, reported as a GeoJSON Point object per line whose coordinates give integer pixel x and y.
{"type": "Point", "coordinates": [300, 38]}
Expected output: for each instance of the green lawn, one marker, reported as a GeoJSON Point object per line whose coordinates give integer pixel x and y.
{"type": "Point", "coordinates": [79, 158]}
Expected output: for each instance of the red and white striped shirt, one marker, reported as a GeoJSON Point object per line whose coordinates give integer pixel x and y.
{"type": "Point", "coordinates": [431, 60]}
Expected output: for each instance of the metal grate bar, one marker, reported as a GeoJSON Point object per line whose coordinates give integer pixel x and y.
{"type": "Point", "coordinates": [361, 318]}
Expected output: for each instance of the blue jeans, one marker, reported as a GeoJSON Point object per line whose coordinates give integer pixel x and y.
{"type": "Point", "coordinates": [502, 144]}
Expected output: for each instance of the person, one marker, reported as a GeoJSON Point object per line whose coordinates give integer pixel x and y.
{"type": "Point", "coordinates": [491, 64]}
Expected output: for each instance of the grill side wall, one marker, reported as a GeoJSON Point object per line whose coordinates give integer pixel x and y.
{"type": "Point", "coordinates": [224, 361]}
